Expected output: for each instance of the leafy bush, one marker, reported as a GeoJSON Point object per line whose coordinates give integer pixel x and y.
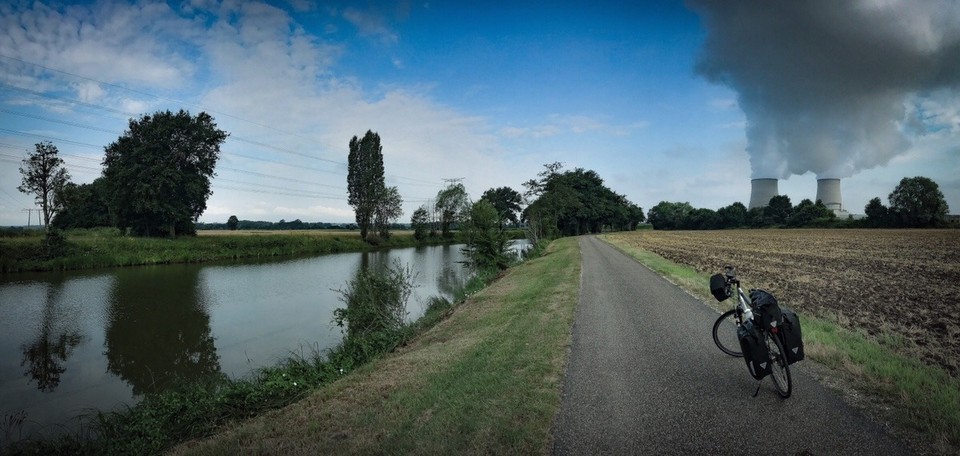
{"type": "Point", "coordinates": [376, 310]}
{"type": "Point", "coordinates": [55, 243]}
{"type": "Point", "coordinates": [487, 243]}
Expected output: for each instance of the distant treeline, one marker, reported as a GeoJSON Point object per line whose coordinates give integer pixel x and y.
{"type": "Point", "coordinates": [916, 202]}
{"type": "Point", "coordinates": [285, 225]}
{"type": "Point", "coordinates": [779, 213]}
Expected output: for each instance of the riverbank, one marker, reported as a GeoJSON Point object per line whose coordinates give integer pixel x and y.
{"type": "Point", "coordinates": [104, 247]}
{"type": "Point", "coordinates": [192, 410]}
{"type": "Point", "coordinates": [484, 380]}
{"type": "Point", "coordinates": [487, 379]}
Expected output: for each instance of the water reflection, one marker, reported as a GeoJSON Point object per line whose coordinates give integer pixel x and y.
{"type": "Point", "coordinates": [105, 338]}
{"type": "Point", "coordinates": [47, 353]}
{"type": "Point", "coordinates": [158, 329]}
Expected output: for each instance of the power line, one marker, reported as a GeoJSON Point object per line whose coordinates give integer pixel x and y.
{"type": "Point", "coordinates": [126, 115]}
{"type": "Point", "coordinates": [184, 103]}
{"type": "Point", "coordinates": [49, 138]}
{"type": "Point", "coordinates": [256, 143]}
{"type": "Point", "coordinates": [12, 199]}
{"type": "Point", "coordinates": [64, 122]}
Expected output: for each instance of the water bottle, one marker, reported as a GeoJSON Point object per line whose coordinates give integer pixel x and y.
{"type": "Point", "coordinates": [747, 313]}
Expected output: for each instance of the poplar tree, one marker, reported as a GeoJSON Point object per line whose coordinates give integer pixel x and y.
{"type": "Point", "coordinates": [365, 181]}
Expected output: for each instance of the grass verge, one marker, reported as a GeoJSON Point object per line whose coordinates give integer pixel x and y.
{"type": "Point", "coordinates": [916, 396]}
{"type": "Point", "coordinates": [484, 380]}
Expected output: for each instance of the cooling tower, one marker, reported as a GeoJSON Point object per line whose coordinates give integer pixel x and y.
{"type": "Point", "coordinates": [828, 192]}
{"type": "Point", "coordinates": [762, 190]}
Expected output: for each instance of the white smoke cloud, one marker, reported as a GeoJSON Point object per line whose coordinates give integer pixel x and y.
{"type": "Point", "coordinates": [831, 87]}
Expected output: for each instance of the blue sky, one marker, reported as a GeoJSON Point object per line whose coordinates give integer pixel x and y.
{"type": "Point", "coordinates": [489, 93]}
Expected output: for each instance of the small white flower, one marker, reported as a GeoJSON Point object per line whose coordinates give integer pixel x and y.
{"type": "Point", "coordinates": [294, 383]}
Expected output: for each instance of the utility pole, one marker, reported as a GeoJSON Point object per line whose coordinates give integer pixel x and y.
{"type": "Point", "coordinates": [29, 212]}
{"type": "Point", "coordinates": [452, 180]}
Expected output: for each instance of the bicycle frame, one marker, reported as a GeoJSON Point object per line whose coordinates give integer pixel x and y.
{"type": "Point", "coordinates": [743, 306]}
{"type": "Point", "coordinates": [743, 312]}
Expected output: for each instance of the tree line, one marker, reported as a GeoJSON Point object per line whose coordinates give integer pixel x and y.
{"type": "Point", "coordinates": [155, 179]}
{"type": "Point", "coordinates": [234, 223]}
{"type": "Point", "coordinates": [916, 202]}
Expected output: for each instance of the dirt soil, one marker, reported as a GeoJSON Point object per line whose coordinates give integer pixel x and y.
{"type": "Point", "coordinates": [901, 286]}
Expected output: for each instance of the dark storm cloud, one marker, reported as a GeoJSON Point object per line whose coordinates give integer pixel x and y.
{"type": "Point", "coordinates": [827, 85]}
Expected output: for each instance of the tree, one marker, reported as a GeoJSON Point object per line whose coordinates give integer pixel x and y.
{"type": "Point", "coordinates": [388, 209]}
{"type": "Point", "coordinates": [701, 219]}
{"type": "Point", "coordinates": [669, 216]}
{"type": "Point", "coordinates": [365, 180]}
{"type": "Point", "coordinates": [232, 223]}
{"type": "Point", "coordinates": [506, 201]}
{"type": "Point", "coordinates": [807, 212]}
{"type": "Point", "coordinates": [83, 206]}
{"type": "Point", "coordinates": [452, 204]}
{"type": "Point", "coordinates": [877, 214]}
{"type": "Point", "coordinates": [732, 216]}
{"type": "Point", "coordinates": [420, 222]}
{"type": "Point", "coordinates": [779, 210]}
{"type": "Point", "coordinates": [576, 202]}
{"type": "Point", "coordinates": [44, 176]}
{"type": "Point", "coordinates": [918, 202]}
{"type": "Point", "coordinates": [487, 243]}
{"type": "Point", "coordinates": [158, 172]}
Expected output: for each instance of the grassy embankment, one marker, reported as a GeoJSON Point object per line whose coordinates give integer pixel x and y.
{"type": "Point", "coordinates": [485, 380]}
{"type": "Point", "coordinates": [98, 248]}
{"type": "Point", "coordinates": [486, 377]}
{"type": "Point", "coordinates": [917, 397]}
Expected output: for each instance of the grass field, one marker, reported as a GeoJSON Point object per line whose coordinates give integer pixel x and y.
{"type": "Point", "coordinates": [105, 247]}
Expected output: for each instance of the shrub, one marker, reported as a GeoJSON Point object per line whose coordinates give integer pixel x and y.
{"type": "Point", "coordinates": [55, 243]}
{"type": "Point", "coordinates": [487, 244]}
{"type": "Point", "coordinates": [376, 310]}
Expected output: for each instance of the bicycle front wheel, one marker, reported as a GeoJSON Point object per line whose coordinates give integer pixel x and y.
{"type": "Point", "coordinates": [780, 370]}
{"type": "Point", "coordinates": [725, 334]}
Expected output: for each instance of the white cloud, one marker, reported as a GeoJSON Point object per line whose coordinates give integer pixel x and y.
{"type": "Point", "coordinates": [140, 44]}
{"type": "Point", "coordinates": [723, 104]}
{"type": "Point", "coordinates": [576, 124]}
{"type": "Point", "coordinates": [371, 24]}
{"type": "Point", "coordinates": [88, 91]}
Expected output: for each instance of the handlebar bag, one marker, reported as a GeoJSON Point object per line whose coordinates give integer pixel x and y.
{"type": "Point", "coordinates": [754, 350]}
{"type": "Point", "coordinates": [791, 336]}
{"type": "Point", "coordinates": [766, 311]}
{"type": "Point", "coordinates": [719, 287]}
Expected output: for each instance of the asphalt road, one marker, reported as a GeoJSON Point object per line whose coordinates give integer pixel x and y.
{"type": "Point", "coordinates": [644, 377]}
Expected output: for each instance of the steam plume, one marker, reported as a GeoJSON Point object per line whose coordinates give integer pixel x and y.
{"type": "Point", "coordinates": [830, 86]}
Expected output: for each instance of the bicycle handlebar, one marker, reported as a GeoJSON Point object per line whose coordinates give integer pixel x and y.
{"type": "Point", "coordinates": [730, 273]}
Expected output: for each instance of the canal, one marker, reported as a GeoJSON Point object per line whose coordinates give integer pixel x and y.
{"type": "Point", "coordinates": [72, 342]}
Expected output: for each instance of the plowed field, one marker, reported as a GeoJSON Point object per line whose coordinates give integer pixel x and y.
{"type": "Point", "coordinates": [897, 284]}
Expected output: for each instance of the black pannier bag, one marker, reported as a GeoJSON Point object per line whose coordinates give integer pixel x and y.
{"type": "Point", "coordinates": [754, 350]}
{"type": "Point", "coordinates": [791, 337]}
{"type": "Point", "coordinates": [766, 312]}
{"type": "Point", "coordinates": [719, 288]}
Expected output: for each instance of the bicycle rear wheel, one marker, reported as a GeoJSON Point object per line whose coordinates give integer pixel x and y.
{"type": "Point", "coordinates": [725, 334]}
{"type": "Point", "coordinates": [779, 369]}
